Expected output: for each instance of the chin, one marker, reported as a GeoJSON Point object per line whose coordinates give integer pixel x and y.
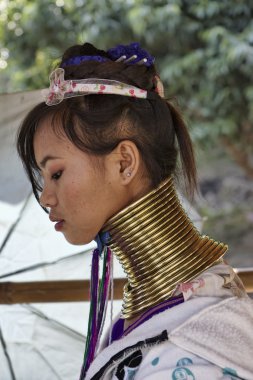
{"type": "Point", "coordinates": [78, 240]}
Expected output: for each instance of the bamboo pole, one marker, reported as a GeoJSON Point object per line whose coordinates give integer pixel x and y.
{"type": "Point", "coordinates": [73, 290]}
{"type": "Point", "coordinates": [51, 291]}
{"type": "Point", "coordinates": [246, 275]}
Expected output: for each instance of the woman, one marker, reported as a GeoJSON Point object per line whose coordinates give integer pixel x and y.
{"type": "Point", "coordinates": [101, 154]}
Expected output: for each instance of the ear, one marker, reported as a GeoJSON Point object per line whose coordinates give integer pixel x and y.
{"type": "Point", "coordinates": [126, 161]}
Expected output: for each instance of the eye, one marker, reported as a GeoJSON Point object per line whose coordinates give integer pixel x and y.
{"type": "Point", "coordinates": [57, 175]}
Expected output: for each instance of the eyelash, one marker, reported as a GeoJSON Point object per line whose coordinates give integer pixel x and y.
{"type": "Point", "coordinates": [57, 175]}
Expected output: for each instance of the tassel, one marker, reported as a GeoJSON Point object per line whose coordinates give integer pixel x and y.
{"type": "Point", "coordinates": [104, 292]}
{"type": "Point", "coordinates": [112, 295]}
{"type": "Point", "coordinates": [92, 324]}
{"type": "Point", "coordinates": [99, 292]}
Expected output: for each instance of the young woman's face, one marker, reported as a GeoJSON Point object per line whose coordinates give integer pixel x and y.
{"type": "Point", "coordinates": [80, 197]}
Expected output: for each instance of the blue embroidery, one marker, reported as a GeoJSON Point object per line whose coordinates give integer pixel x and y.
{"type": "Point", "coordinates": [184, 361]}
{"type": "Point", "coordinates": [229, 371]}
{"type": "Point", "coordinates": [155, 361]}
{"type": "Point", "coordinates": [182, 374]}
{"type": "Point", "coordinates": [130, 373]}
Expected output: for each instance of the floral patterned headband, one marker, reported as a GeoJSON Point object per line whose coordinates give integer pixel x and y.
{"type": "Point", "coordinates": [61, 89]}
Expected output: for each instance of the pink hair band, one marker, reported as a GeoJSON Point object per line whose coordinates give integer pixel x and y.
{"type": "Point", "coordinates": [61, 89]}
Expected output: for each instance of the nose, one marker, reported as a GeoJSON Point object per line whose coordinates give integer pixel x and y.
{"type": "Point", "coordinates": [47, 198]}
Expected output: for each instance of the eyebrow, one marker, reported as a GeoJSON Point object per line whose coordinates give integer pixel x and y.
{"type": "Point", "coordinates": [46, 159]}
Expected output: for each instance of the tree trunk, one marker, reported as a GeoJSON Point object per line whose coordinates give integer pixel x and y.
{"type": "Point", "coordinates": [240, 157]}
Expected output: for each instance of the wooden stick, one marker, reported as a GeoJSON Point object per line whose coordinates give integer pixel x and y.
{"type": "Point", "coordinates": [246, 275]}
{"type": "Point", "coordinates": [51, 291]}
{"type": "Point", "coordinates": [74, 290]}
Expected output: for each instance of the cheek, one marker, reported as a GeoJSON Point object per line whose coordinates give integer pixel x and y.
{"type": "Point", "coordinates": [86, 202]}
{"type": "Point", "coordinates": [82, 197]}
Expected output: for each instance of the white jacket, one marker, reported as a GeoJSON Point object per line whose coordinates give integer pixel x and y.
{"type": "Point", "coordinates": [208, 337]}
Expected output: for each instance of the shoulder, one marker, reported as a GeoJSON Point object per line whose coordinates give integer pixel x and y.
{"type": "Point", "coordinates": [221, 333]}
{"type": "Point", "coordinates": [216, 342]}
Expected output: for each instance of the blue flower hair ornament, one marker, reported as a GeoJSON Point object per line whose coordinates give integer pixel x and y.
{"type": "Point", "coordinates": [131, 54]}
{"type": "Point", "coordinates": [82, 58]}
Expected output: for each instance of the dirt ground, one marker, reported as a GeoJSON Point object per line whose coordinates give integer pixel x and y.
{"type": "Point", "coordinates": [226, 203]}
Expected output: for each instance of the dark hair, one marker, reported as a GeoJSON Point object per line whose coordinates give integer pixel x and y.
{"type": "Point", "coordinates": [97, 123]}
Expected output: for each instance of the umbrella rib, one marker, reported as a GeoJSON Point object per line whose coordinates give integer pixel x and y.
{"type": "Point", "coordinates": [14, 225]}
{"type": "Point", "coordinates": [40, 314]}
{"type": "Point", "coordinates": [7, 355]}
{"type": "Point", "coordinates": [40, 265]}
{"type": "Point", "coordinates": [48, 363]}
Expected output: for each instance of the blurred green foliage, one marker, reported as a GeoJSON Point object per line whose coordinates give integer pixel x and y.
{"type": "Point", "coordinates": [203, 49]}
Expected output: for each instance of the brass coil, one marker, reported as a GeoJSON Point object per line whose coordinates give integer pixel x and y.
{"type": "Point", "coordinates": [158, 247]}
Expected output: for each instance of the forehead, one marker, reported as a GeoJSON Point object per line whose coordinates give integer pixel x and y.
{"type": "Point", "coordinates": [48, 141]}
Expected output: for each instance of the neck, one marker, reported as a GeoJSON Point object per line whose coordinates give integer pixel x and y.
{"type": "Point", "coordinates": [158, 247]}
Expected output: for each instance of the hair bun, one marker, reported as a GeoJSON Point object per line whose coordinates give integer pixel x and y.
{"type": "Point", "coordinates": [135, 67]}
{"type": "Point", "coordinates": [89, 49]}
{"type": "Point", "coordinates": [131, 54]}
{"type": "Point", "coordinates": [78, 54]}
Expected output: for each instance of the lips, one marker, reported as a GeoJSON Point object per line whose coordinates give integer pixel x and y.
{"type": "Point", "coordinates": [59, 225]}
{"type": "Point", "coordinates": [59, 222]}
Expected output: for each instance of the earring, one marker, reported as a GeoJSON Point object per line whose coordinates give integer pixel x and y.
{"type": "Point", "coordinates": [129, 173]}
